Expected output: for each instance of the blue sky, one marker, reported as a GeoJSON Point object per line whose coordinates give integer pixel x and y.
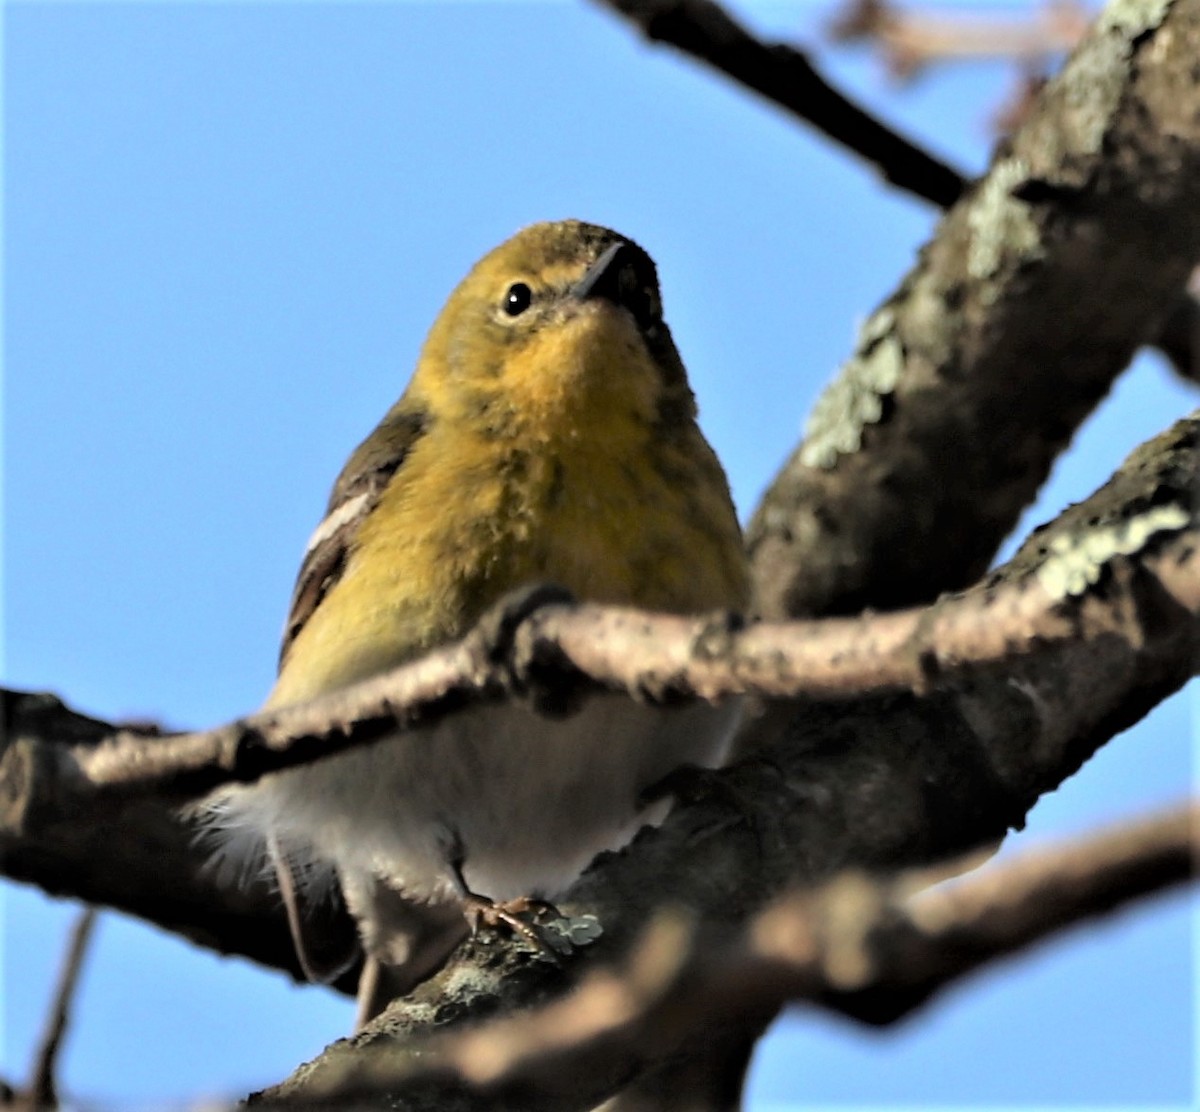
{"type": "Point", "coordinates": [227, 228]}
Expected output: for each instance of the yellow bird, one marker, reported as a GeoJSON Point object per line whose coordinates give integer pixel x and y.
{"type": "Point", "coordinates": [548, 434]}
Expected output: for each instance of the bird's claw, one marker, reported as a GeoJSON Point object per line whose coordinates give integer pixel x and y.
{"type": "Point", "coordinates": [519, 916]}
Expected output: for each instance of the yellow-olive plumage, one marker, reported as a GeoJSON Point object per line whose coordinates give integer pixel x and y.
{"type": "Point", "coordinates": [548, 434]}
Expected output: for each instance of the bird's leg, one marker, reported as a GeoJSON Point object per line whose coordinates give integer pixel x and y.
{"type": "Point", "coordinates": [367, 1002]}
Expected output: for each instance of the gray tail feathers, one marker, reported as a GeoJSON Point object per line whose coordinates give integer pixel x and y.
{"type": "Point", "coordinates": [322, 932]}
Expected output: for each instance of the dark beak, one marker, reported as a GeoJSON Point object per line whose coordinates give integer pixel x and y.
{"type": "Point", "coordinates": [603, 278]}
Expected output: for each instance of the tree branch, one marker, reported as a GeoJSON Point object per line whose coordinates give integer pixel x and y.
{"type": "Point", "coordinates": [867, 948]}
{"type": "Point", "coordinates": [1038, 286]}
{"type": "Point", "coordinates": [152, 865]}
{"type": "Point", "coordinates": [911, 39]}
{"type": "Point", "coordinates": [556, 654]}
{"type": "Point", "coordinates": [787, 78]}
{"type": "Point", "coordinates": [43, 1091]}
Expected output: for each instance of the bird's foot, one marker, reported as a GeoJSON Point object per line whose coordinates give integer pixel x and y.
{"type": "Point", "coordinates": [519, 916]}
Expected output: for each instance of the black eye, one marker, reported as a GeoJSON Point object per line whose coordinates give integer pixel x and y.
{"type": "Point", "coordinates": [518, 299]}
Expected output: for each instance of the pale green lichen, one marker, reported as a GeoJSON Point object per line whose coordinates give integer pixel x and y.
{"type": "Point", "coordinates": [565, 935]}
{"type": "Point", "coordinates": [1075, 561]}
{"type": "Point", "coordinates": [928, 320]}
{"type": "Point", "coordinates": [854, 399]}
{"type": "Point", "coordinates": [1132, 17]}
{"type": "Point", "coordinates": [1001, 225]}
{"type": "Point", "coordinates": [1093, 85]}
{"type": "Point", "coordinates": [878, 326]}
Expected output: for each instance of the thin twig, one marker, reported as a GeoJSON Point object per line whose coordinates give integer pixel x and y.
{"type": "Point", "coordinates": [912, 39]}
{"type": "Point", "coordinates": [43, 1090]}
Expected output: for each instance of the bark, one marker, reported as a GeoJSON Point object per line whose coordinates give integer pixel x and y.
{"type": "Point", "coordinates": [1033, 295]}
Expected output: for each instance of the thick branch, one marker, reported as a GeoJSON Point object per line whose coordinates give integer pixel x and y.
{"type": "Point", "coordinates": [863, 947]}
{"type": "Point", "coordinates": [133, 854]}
{"type": "Point", "coordinates": [971, 378]}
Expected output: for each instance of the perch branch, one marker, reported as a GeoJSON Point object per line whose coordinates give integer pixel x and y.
{"type": "Point", "coordinates": [871, 948]}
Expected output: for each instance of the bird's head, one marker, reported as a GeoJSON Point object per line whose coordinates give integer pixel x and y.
{"type": "Point", "coordinates": [558, 329]}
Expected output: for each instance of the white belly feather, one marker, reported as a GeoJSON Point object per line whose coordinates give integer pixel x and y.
{"type": "Point", "coordinates": [526, 802]}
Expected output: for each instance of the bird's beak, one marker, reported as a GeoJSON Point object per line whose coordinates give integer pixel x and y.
{"type": "Point", "coordinates": [603, 278]}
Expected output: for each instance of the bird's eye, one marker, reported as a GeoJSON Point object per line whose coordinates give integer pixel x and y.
{"type": "Point", "coordinates": [518, 299]}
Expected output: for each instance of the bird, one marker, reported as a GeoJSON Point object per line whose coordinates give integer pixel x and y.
{"type": "Point", "coordinates": [547, 435]}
